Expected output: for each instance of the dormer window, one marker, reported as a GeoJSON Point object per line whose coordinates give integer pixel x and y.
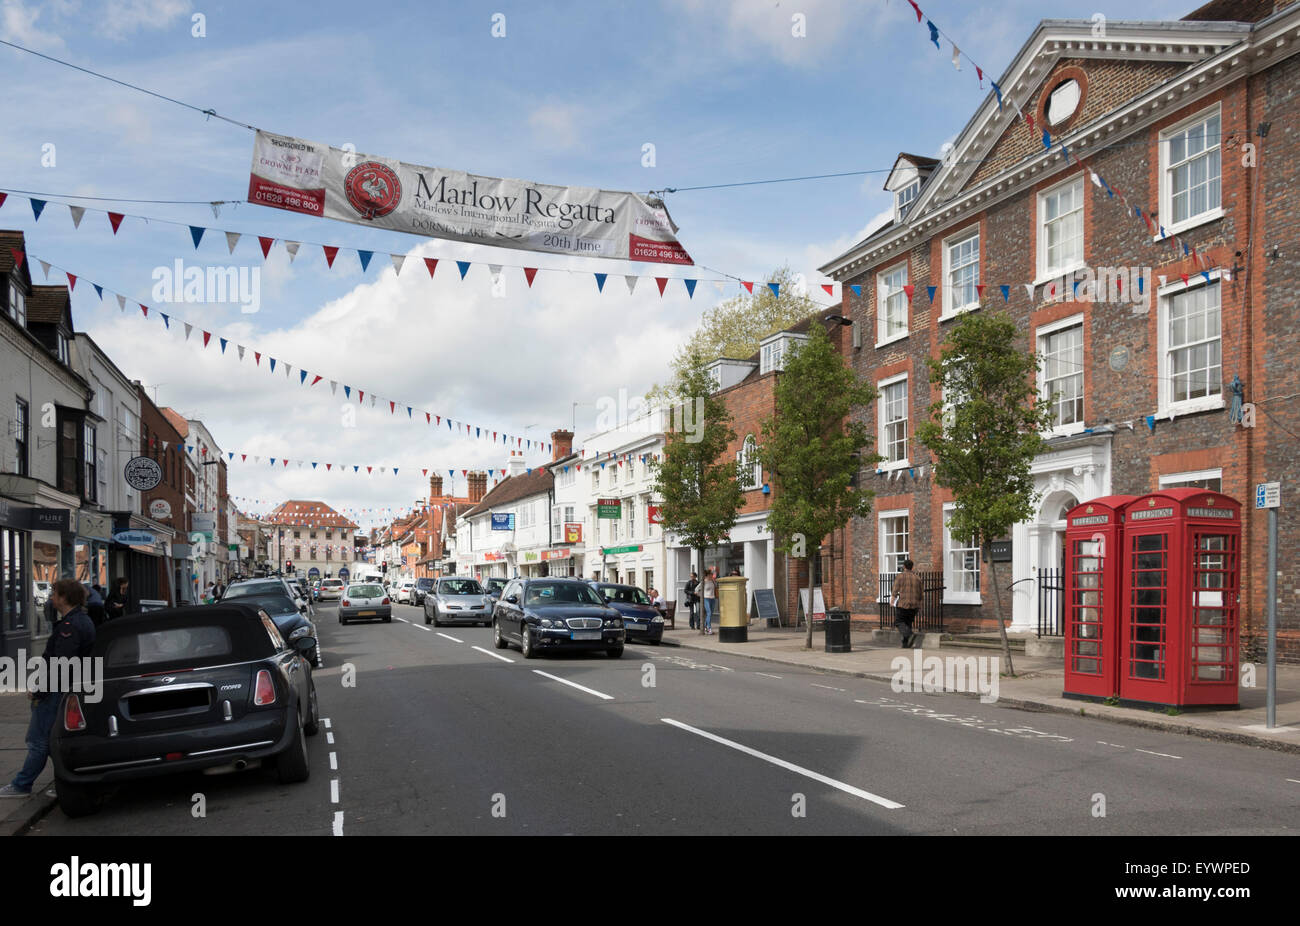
{"type": "Point", "coordinates": [64, 356]}
{"type": "Point", "coordinates": [17, 304]}
{"type": "Point", "coordinates": [904, 198]}
{"type": "Point", "coordinates": [772, 355]}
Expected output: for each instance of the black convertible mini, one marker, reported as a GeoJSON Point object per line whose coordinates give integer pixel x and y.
{"type": "Point", "coordinates": [208, 687]}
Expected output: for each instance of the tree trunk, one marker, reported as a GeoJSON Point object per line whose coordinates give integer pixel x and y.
{"type": "Point", "coordinates": [997, 609]}
{"type": "Point", "coordinates": [813, 562]}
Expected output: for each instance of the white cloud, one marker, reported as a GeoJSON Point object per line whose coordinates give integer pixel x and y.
{"type": "Point", "coordinates": [18, 25]}
{"type": "Point", "coordinates": [123, 17]}
{"type": "Point", "coordinates": [741, 26]}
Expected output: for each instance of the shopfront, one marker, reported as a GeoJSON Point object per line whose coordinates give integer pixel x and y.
{"type": "Point", "coordinates": [36, 548]}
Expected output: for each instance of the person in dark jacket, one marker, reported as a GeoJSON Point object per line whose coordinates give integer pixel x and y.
{"type": "Point", "coordinates": [95, 605]}
{"type": "Point", "coordinates": [692, 599]}
{"type": "Point", "coordinates": [908, 592]}
{"type": "Point", "coordinates": [118, 603]}
{"type": "Point", "coordinates": [73, 636]}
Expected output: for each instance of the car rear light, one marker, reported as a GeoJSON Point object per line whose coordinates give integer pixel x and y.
{"type": "Point", "coordinates": [385, 601]}
{"type": "Point", "coordinates": [73, 719]}
{"type": "Point", "coordinates": [346, 603]}
{"type": "Point", "coordinates": [265, 690]}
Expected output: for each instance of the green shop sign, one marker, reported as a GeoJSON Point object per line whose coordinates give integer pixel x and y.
{"type": "Point", "coordinates": [609, 508]}
{"type": "Point", "coordinates": [633, 548]}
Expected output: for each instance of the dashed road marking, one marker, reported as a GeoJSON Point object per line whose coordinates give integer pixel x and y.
{"type": "Point", "coordinates": [1294, 780]}
{"type": "Point", "coordinates": [420, 627]}
{"type": "Point", "coordinates": [402, 619]}
{"type": "Point", "coordinates": [789, 766]}
{"type": "Point", "coordinates": [326, 721]}
{"type": "Point", "coordinates": [334, 761]}
{"type": "Point", "coordinates": [767, 675]}
{"type": "Point", "coordinates": [334, 790]}
{"type": "Point", "coordinates": [338, 823]}
{"type": "Point", "coordinates": [723, 668]}
{"type": "Point", "coordinates": [565, 681]}
{"type": "Point", "coordinates": [1116, 745]}
{"type": "Point", "coordinates": [447, 636]}
{"type": "Point", "coordinates": [1163, 754]}
{"type": "Point", "coordinates": [488, 652]}
{"type": "Point", "coordinates": [827, 687]}
{"type": "Point", "coordinates": [329, 738]}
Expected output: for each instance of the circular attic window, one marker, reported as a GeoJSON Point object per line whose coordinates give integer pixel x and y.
{"type": "Point", "coordinates": [1063, 101]}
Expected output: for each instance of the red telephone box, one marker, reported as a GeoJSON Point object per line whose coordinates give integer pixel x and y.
{"type": "Point", "coordinates": [1092, 596]}
{"type": "Point", "coordinates": [1180, 598]}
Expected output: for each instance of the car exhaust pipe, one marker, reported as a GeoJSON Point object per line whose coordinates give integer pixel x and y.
{"type": "Point", "coordinates": [241, 764]}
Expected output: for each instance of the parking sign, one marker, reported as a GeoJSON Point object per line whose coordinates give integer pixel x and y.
{"type": "Point", "coordinates": [1268, 495]}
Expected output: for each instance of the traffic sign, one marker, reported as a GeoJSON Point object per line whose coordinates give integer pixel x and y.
{"type": "Point", "coordinates": [1268, 495]}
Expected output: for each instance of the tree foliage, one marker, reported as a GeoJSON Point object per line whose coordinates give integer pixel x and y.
{"type": "Point", "coordinates": [812, 446]}
{"type": "Point", "coordinates": [985, 437]}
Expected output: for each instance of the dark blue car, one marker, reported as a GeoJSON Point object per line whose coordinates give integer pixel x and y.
{"type": "Point", "coordinates": [641, 619]}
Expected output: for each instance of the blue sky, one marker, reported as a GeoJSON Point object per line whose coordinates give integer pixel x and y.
{"type": "Point", "coordinates": [570, 95]}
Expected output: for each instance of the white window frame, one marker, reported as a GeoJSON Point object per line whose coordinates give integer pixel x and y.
{"type": "Point", "coordinates": [950, 308]}
{"type": "Point", "coordinates": [950, 593]}
{"type": "Point", "coordinates": [772, 357]}
{"type": "Point", "coordinates": [883, 295]}
{"type": "Point", "coordinates": [902, 201]}
{"type": "Point", "coordinates": [1166, 171]}
{"type": "Point", "coordinates": [1046, 272]}
{"type": "Point", "coordinates": [882, 403]}
{"type": "Point", "coordinates": [1040, 336]}
{"type": "Point", "coordinates": [1179, 480]}
{"type": "Point", "coordinates": [1167, 408]}
{"type": "Point", "coordinates": [747, 457]}
{"type": "Point", "coordinates": [881, 519]}
{"type": "Point", "coordinates": [629, 514]}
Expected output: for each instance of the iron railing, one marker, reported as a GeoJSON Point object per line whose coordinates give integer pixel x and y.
{"type": "Point", "coordinates": [1051, 602]}
{"type": "Point", "coordinates": [929, 619]}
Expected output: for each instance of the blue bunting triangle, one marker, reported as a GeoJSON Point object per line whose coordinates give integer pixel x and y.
{"type": "Point", "coordinates": [857, 290]}
{"type": "Point", "coordinates": [197, 234]}
{"type": "Point", "coordinates": [38, 206]}
{"type": "Point", "coordinates": [600, 282]}
{"type": "Point", "coordinates": [347, 392]}
{"type": "Point", "coordinates": [934, 34]}
{"type": "Point", "coordinates": [302, 377]}
{"type": "Point", "coordinates": [272, 364]}
{"type": "Point", "coordinates": [365, 258]}
{"type": "Point", "coordinates": [690, 288]}
{"type": "Point", "coordinates": [99, 291]}
{"type": "Point", "coordinates": [775, 288]}
{"type": "Point", "coordinates": [224, 342]}
{"type": "Point", "coordinates": [1006, 292]}
{"type": "Point", "coordinates": [931, 290]}
{"type": "Point", "coordinates": [464, 267]}
{"type": "Point", "coordinates": [167, 322]}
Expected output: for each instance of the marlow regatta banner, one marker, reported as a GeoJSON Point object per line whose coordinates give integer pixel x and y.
{"type": "Point", "coordinates": [314, 179]}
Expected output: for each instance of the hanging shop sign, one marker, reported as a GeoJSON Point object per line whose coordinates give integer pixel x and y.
{"type": "Point", "coordinates": [142, 473]}
{"type": "Point", "coordinates": [135, 538]}
{"type": "Point", "coordinates": [503, 522]}
{"type": "Point", "coordinates": [573, 532]}
{"type": "Point", "coordinates": [160, 509]}
{"type": "Point", "coordinates": [315, 179]}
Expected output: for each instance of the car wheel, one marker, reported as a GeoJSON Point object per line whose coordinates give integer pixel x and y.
{"type": "Point", "coordinates": [436, 622]}
{"type": "Point", "coordinates": [76, 800]}
{"type": "Point", "coordinates": [388, 619]}
{"type": "Point", "coordinates": [312, 727]}
{"type": "Point", "coordinates": [526, 643]}
{"type": "Point", "coordinates": [615, 652]}
{"type": "Point", "coordinates": [291, 765]}
{"type": "Point", "coordinates": [497, 640]}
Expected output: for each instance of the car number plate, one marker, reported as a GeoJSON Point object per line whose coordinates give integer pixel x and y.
{"type": "Point", "coordinates": [366, 613]}
{"type": "Point", "coordinates": [585, 635]}
{"type": "Point", "coordinates": [635, 626]}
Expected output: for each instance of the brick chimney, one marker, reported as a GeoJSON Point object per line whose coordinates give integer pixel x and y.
{"type": "Point", "coordinates": [477, 486]}
{"type": "Point", "coordinates": [435, 488]}
{"type": "Point", "coordinates": [562, 441]}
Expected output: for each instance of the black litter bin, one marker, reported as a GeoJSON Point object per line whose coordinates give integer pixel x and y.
{"type": "Point", "coordinates": [837, 631]}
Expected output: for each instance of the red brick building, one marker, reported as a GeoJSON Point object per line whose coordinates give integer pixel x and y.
{"type": "Point", "coordinates": [1172, 119]}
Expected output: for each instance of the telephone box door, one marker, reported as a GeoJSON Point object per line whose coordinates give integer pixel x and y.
{"type": "Point", "coordinates": [1092, 589]}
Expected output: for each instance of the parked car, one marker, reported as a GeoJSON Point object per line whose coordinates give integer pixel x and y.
{"type": "Point", "coordinates": [330, 590]}
{"type": "Point", "coordinates": [493, 587]}
{"type": "Point", "coordinates": [213, 687]}
{"type": "Point", "coordinates": [544, 615]}
{"type": "Point", "coordinates": [457, 601]}
{"type": "Point", "coordinates": [422, 588]}
{"type": "Point", "coordinates": [641, 619]}
{"type": "Point", "coordinates": [404, 590]}
{"type": "Point", "coordinates": [286, 613]}
{"type": "Point", "coordinates": [365, 600]}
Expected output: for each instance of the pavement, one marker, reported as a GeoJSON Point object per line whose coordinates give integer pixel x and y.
{"type": "Point", "coordinates": [1037, 685]}
{"type": "Point", "coordinates": [17, 815]}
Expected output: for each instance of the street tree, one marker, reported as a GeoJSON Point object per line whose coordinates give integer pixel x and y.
{"type": "Point", "coordinates": [984, 433]}
{"type": "Point", "coordinates": [813, 447]}
{"type": "Point", "coordinates": [735, 327]}
{"type": "Point", "coordinates": [699, 489]}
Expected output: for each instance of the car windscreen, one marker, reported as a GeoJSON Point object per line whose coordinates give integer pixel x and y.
{"type": "Point", "coordinates": [495, 585]}
{"type": "Point", "coordinates": [272, 604]}
{"type": "Point", "coordinates": [460, 587]}
{"type": "Point", "coordinates": [424, 583]}
{"type": "Point", "coordinates": [253, 588]}
{"type": "Point", "coordinates": [624, 595]}
{"type": "Point", "coordinates": [540, 593]}
{"type": "Point", "coordinates": [174, 645]}
{"type": "Point", "coordinates": [365, 591]}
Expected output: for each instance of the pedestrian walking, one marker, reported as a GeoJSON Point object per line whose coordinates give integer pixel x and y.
{"type": "Point", "coordinates": [72, 636]}
{"type": "Point", "coordinates": [95, 605]}
{"type": "Point", "coordinates": [907, 601]}
{"type": "Point", "coordinates": [692, 598]}
{"type": "Point", "coordinates": [118, 603]}
{"type": "Point", "coordinates": [710, 600]}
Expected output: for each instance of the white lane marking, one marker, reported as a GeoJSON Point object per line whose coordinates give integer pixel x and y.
{"type": "Point", "coordinates": [1164, 754]}
{"type": "Point", "coordinates": [448, 637]}
{"type": "Point", "coordinates": [334, 790]}
{"type": "Point", "coordinates": [789, 766]}
{"type": "Point", "coordinates": [338, 823]}
{"type": "Point", "coordinates": [402, 619]}
{"type": "Point", "coordinates": [334, 761]}
{"type": "Point", "coordinates": [488, 652]}
{"type": "Point", "coordinates": [827, 687]}
{"type": "Point", "coordinates": [1294, 780]}
{"type": "Point", "coordinates": [768, 675]}
{"type": "Point", "coordinates": [420, 627]}
{"type": "Point", "coordinates": [716, 666]}
{"type": "Point", "coordinates": [329, 738]}
{"type": "Point", "coordinates": [1116, 745]}
{"type": "Point", "coordinates": [565, 681]}
{"type": "Point", "coordinates": [326, 721]}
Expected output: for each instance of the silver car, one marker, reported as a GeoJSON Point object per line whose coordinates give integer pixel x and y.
{"type": "Point", "coordinates": [365, 601]}
{"type": "Point", "coordinates": [457, 601]}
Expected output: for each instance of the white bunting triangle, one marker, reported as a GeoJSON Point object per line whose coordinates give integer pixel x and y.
{"type": "Point", "coordinates": [165, 446]}
{"type": "Point", "coordinates": [240, 348]}
{"type": "Point", "coordinates": [188, 329]}
{"type": "Point", "coordinates": [1029, 288]}
{"type": "Point", "coordinates": [719, 285]}
{"type": "Point", "coordinates": [121, 303]}
{"type": "Point", "coordinates": [232, 239]}
{"type": "Point", "coordinates": [495, 270]}
{"type": "Point", "coordinates": [216, 210]}
{"type": "Point", "coordinates": [398, 260]}
{"type": "Point", "coordinates": [292, 248]}
{"type": "Point", "coordinates": [334, 386]}
{"type": "Point", "coordinates": [77, 213]}
{"type": "Point", "coordinates": [956, 57]}
{"type": "Point", "coordinates": [1162, 278]}
{"type": "Point", "coordinates": [631, 283]}
{"type": "Point", "coordinates": [44, 266]}
{"type": "Point", "coordinates": [287, 368]}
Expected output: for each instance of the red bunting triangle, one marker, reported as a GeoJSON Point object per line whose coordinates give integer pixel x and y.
{"type": "Point", "coordinates": [370, 469]}
{"type": "Point", "coordinates": [145, 309]}
{"type": "Point", "coordinates": [424, 471]}
{"type": "Point", "coordinates": [909, 290]}
{"type": "Point", "coordinates": [3, 197]}
{"type": "Point", "coordinates": [662, 281]}
{"type": "Point", "coordinates": [748, 286]}
{"type": "Point", "coordinates": [360, 395]}
{"type": "Point", "coordinates": [529, 273]}
{"type": "Point", "coordinates": [439, 417]}
{"type": "Point", "coordinates": [979, 290]}
{"type": "Point", "coordinates": [18, 257]}
{"type": "Point", "coordinates": [432, 264]}
{"type": "Point", "coordinates": [830, 288]}
{"type": "Point", "coordinates": [464, 472]}
{"type": "Point", "coordinates": [266, 245]}
{"type": "Point", "coordinates": [1184, 276]}
{"type": "Point", "coordinates": [243, 458]}
{"type": "Point", "coordinates": [207, 336]}
{"type": "Point", "coordinates": [328, 467]}
{"type": "Point", "coordinates": [392, 408]}
{"type": "Point", "coordinates": [115, 219]}
{"type": "Point", "coordinates": [316, 380]}
{"type": "Point", "coordinates": [330, 253]}
{"type": "Point", "coordinates": [72, 282]}
{"type": "Point", "coordinates": [286, 462]}
{"type": "Point", "coordinates": [257, 358]}
{"type": "Point", "coordinates": [427, 418]}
